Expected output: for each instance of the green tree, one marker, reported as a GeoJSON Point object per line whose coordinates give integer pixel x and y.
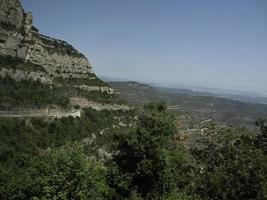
{"type": "Point", "coordinates": [65, 173]}
{"type": "Point", "coordinates": [180, 195]}
{"type": "Point", "coordinates": [147, 161]}
{"type": "Point", "coordinates": [231, 167]}
{"type": "Point", "coordinates": [261, 138]}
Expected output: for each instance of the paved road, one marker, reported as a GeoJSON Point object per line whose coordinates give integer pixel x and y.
{"type": "Point", "coordinates": [57, 114]}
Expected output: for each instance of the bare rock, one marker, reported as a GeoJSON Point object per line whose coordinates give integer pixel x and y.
{"type": "Point", "coordinates": [19, 39]}
{"type": "Point", "coordinates": [19, 75]}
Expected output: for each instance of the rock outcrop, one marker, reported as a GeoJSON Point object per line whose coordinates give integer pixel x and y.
{"type": "Point", "coordinates": [19, 75]}
{"type": "Point", "coordinates": [25, 54]}
{"type": "Point", "coordinates": [95, 88]}
{"type": "Point", "coordinates": [84, 103]}
{"type": "Point", "coordinates": [41, 113]}
{"type": "Point", "coordinates": [19, 38]}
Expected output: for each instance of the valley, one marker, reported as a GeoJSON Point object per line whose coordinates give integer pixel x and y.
{"type": "Point", "coordinates": [65, 133]}
{"type": "Point", "coordinates": [193, 107]}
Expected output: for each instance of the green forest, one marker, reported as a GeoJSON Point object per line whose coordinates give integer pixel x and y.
{"type": "Point", "coordinates": [194, 128]}
{"type": "Point", "coordinates": [51, 159]}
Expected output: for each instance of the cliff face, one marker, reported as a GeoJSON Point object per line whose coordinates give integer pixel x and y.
{"type": "Point", "coordinates": [38, 71]}
{"type": "Point", "coordinates": [19, 38]}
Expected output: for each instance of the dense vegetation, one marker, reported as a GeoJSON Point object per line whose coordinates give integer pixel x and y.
{"type": "Point", "coordinates": [34, 94]}
{"type": "Point", "coordinates": [29, 94]}
{"type": "Point", "coordinates": [148, 163]}
{"type": "Point", "coordinates": [232, 166]}
{"type": "Point", "coordinates": [28, 137]}
{"type": "Point", "coordinates": [93, 80]}
{"type": "Point", "coordinates": [15, 63]}
{"type": "Point", "coordinates": [59, 159]}
{"type": "Point", "coordinates": [37, 155]}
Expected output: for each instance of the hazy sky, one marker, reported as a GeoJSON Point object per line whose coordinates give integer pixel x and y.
{"type": "Point", "coordinates": [210, 43]}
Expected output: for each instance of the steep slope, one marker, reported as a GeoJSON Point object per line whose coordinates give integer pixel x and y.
{"type": "Point", "coordinates": [19, 38]}
{"type": "Point", "coordinates": [38, 71]}
{"type": "Point", "coordinates": [49, 98]}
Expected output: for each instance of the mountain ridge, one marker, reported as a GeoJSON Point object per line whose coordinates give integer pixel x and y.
{"type": "Point", "coordinates": [43, 72]}
{"type": "Point", "coordinates": [246, 97]}
{"type": "Point", "coordinates": [19, 38]}
{"type": "Point", "coordinates": [192, 106]}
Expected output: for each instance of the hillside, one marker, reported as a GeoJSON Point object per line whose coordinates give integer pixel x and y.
{"type": "Point", "coordinates": [193, 107]}
{"type": "Point", "coordinates": [49, 98]}
{"type": "Point", "coordinates": [137, 94]}
{"type": "Point", "coordinates": [66, 134]}
{"type": "Point", "coordinates": [40, 72]}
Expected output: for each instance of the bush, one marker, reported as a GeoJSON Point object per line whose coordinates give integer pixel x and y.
{"type": "Point", "coordinates": [146, 160]}
{"type": "Point", "coordinates": [16, 63]}
{"type": "Point", "coordinates": [65, 173]}
{"type": "Point", "coordinates": [231, 166]}
{"type": "Point", "coordinates": [28, 93]}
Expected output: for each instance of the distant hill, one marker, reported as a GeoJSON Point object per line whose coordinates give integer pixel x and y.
{"type": "Point", "coordinates": [193, 107]}
{"type": "Point", "coordinates": [234, 95]}
{"type": "Point", "coordinates": [137, 94]}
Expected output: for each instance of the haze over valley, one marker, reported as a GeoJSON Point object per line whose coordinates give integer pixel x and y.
{"type": "Point", "coordinates": [185, 119]}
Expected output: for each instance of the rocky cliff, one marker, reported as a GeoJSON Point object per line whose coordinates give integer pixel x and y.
{"type": "Point", "coordinates": [19, 38]}
{"type": "Point", "coordinates": [37, 71]}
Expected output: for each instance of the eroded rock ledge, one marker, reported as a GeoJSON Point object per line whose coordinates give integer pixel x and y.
{"type": "Point", "coordinates": [19, 38]}
{"type": "Point", "coordinates": [25, 54]}
{"type": "Point", "coordinates": [84, 103]}
{"type": "Point", "coordinates": [19, 75]}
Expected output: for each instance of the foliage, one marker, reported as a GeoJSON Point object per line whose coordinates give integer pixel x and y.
{"type": "Point", "coordinates": [231, 167]}
{"type": "Point", "coordinates": [98, 96]}
{"type": "Point", "coordinates": [180, 195]}
{"type": "Point", "coordinates": [21, 139]}
{"type": "Point", "coordinates": [28, 93]}
{"type": "Point", "coordinates": [25, 146]}
{"type": "Point", "coordinates": [146, 160]}
{"type": "Point", "coordinates": [65, 173]}
{"type": "Point", "coordinates": [261, 138]}
{"type": "Point", "coordinates": [102, 97]}
{"type": "Point", "coordinates": [60, 46]}
{"type": "Point", "coordinates": [16, 63]}
{"type": "Point", "coordinates": [52, 159]}
{"type": "Point", "coordinates": [33, 94]}
{"type": "Point", "coordinates": [92, 80]}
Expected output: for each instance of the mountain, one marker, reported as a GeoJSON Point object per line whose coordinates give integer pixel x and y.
{"type": "Point", "coordinates": [40, 72]}
{"type": "Point", "coordinates": [66, 134]}
{"type": "Point", "coordinates": [247, 97]}
{"type": "Point", "coordinates": [51, 100]}
{"type": "Point", "coordinates": [193, 107]}
{"type": "Point", "coordinates": [19, 38]}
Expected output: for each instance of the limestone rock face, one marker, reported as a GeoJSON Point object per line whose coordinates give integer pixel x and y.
{"type": "Point", "coordinates": [84, 103]}
{"type": "Point", "coordinates": [19, 75]}
{"type": "Point", "coordinates": [95, 88]}
{"type": "Point", "coordinates": [12, 12]}
{"type": "Point", "coordinates": [37, 57]}
{"type": "Point", "coordinates": [19, 38]}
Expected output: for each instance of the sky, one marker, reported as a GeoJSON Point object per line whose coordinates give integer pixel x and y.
{"type": "Point", "coordinates": [207, 43]}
